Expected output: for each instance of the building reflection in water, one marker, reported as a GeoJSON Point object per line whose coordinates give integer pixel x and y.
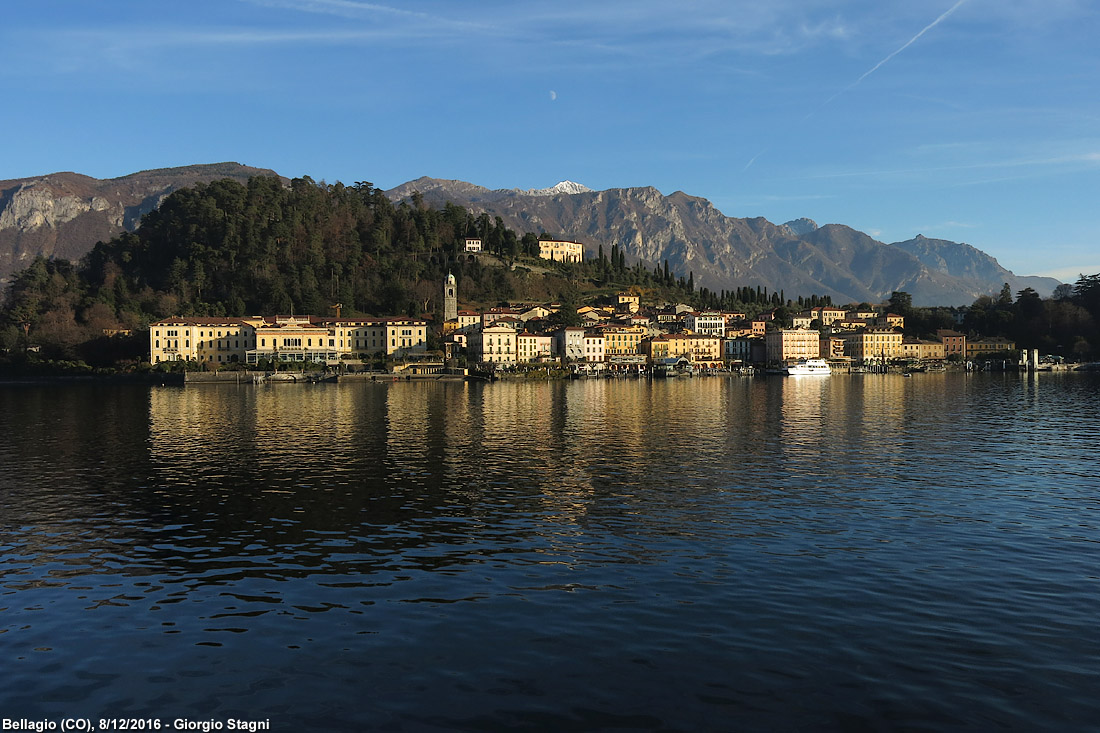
{"type": "Point", "coordinates": [352, 457]}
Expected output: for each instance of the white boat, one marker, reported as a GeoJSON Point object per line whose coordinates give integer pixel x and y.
{"type": "Point", "coordinates": [809, 366]}
{"type": "Point", "coordinates": [274, 377]}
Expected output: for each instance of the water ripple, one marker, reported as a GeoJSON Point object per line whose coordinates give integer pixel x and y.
{"type": "Point", "coordinates": [697, 554]}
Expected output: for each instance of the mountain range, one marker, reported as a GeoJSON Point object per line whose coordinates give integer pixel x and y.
{"type": "Point", "coordinates": [723, 252]}
{"type": "Point", "coordinates": [65, 214]}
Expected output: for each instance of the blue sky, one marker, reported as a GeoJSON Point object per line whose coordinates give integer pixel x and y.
{"type": "Point", "coordinates": [976, 121]}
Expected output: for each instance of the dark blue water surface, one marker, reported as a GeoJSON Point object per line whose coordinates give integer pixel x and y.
{"type": "Point", "coordinates": [852, 552]}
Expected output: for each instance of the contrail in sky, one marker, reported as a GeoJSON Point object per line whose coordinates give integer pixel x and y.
{"type": "Point", "coordinates": [943, 16]}
{"type": "Point", "coordinates": [907, 44]}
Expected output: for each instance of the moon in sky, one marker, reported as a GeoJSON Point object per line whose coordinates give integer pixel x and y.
{"type": "Point", "coordinates": [553, 95]}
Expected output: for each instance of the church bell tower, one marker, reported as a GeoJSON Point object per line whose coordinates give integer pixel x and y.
{"type": "Point", "coordinates": [450, 298]}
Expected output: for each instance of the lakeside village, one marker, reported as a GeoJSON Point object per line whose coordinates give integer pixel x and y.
{"type": "Point", "coordinates": [623, 339]}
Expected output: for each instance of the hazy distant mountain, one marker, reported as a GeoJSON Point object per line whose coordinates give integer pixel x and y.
{"type": "Point", "coordinates": [65, 214]}
{"type": "Point", "coordinates": [964, 261]}
{"type": "Point", "coordinates": [727, 252]}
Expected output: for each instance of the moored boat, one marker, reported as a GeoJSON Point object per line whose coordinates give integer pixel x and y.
{"type": "Point", "coordinates": [817, 367]}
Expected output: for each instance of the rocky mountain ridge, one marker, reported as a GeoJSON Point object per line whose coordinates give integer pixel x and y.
{"type": "Point", "coordinates": [724, 252]}
{"type": "Point", "coordinates": [65, 214]}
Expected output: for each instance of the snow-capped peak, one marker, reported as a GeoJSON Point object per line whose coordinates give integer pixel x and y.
{"type": "Point", "coordinates": [563, 187]}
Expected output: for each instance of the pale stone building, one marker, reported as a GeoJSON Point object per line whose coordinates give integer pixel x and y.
{"type": "Point", "coordinates": [561, 250]}
{"type": "Point", "coordinates": [792, 344]}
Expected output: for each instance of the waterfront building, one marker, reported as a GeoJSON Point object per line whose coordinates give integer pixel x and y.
{"type": "Point", "coordinates": [738, 350]}
{"type": "Point", "coordinates": [307, 338]}
{"type": "Point", "coordinates": [561, 250]}
{"type": "Point", "coordinates": [698, 349]}
{"type": "Point", "coordinates": [623, 340]}
{"type": "Point", "coordinates": [913, 348]}
{"type": "Point", "coordinates": [494, 344]}
{"type": "Point", "coordinates": [295, 338]}
{"type": "Point", "coordinates": [656, 348]}
{"type": "Point", "coordinates": [594, 346]}
{"type": "Point", "coordinates": [954, 343]}
{"type": "Point", "coordinates": [983, 347]}
{"type": "Point", "coordinates": [533, 347]}
{"type": "Point", "coordinates": [221, 341]}
{"type": "Point", "coordinates": [569, 342]}
{"type": "Point", "coordinates": [214, 340]}
{"type": "Point", "coordinates": [874, 343]}
{"type": "Point", "coordinates": [789, 344]}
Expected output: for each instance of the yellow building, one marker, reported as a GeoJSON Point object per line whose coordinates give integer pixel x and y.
{"type": "Point", "coordinates": [790, 344]}
{"type": "Point", "coordinates": [391, 336]}
{"type": "Point", "coordinates": [874, 343]}
{"type": "Point", "coordinates": [629, 302]}
{"type": "Point", "coordinates": [561, 250]}
{"type": "Point", "coordinates": [495, 344]}
{"type": "Point", "coordinates": [533, 347]}
{"type": "Point", "coordinates": [923, 350]}
{"type": "Point", "coordinates": [293, 338]}
{"type": "Point", "coordinates": [623, 340]}
{"type": "Point", "coordinates": [891, 320]}
{"type": "Point", "coordinates": [982, 348]}
{"type": "Point", "coordinates": [700, 349]}
{"type": "Point", "coordinates": [220, 341]}
{"type": "Point", "coordinates": [825, 314]}
{"type": "Point", "coordinates": [214, 340]}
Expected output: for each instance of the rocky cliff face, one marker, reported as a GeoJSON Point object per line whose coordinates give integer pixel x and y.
{"type": "Point", "coordinates": [65, 214]}
{"type": "Point", "coordinates": [725, 252]}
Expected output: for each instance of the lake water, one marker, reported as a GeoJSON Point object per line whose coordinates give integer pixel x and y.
{"type": "Point", "coordinates": [857, 552]}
